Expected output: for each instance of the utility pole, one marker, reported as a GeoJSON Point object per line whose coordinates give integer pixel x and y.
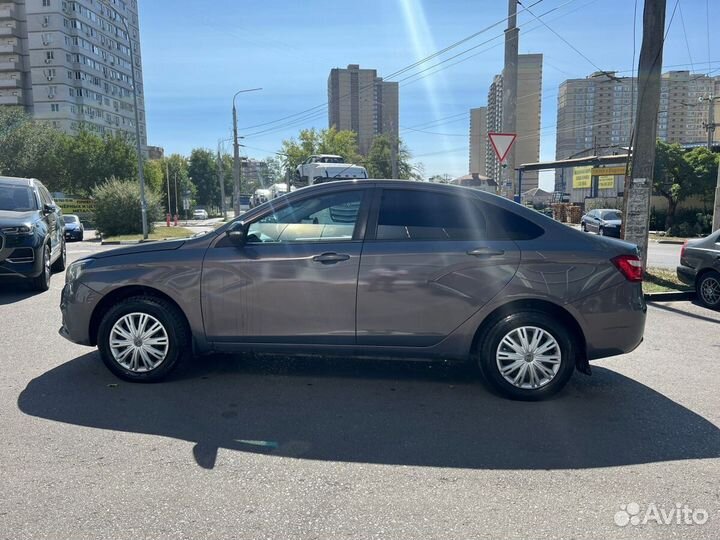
{"type": "Point", "coordinates": [638, 186]}
{"type": "Point", "coordinates": [177, 208]}
{"type": "Point", "coordinates": [509, 88]}
{"type": "Point", "coordinates": [221, 179]}
{"type": "Point", "coordinates": [710, 127]}
{"type": "Point", "coordinates": [236, 153]}
{"type": "Point", "coordinates": [394, 143]}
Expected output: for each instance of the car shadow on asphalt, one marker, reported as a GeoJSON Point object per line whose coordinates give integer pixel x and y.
{"type": "Point", "coordinates": [13, 292]}
{"type": "Point", "coordinates": [707, 318]}
{"type": "Point", "coordinates": [397, 413]}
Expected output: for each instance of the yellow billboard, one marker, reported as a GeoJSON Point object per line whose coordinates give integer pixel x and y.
{"type": "Point", "coordinates": [76, 206]}
{"type": "Point", "coordinates": [603, 171]}
{"type": "Point", "coordinates": [582, 177]}
{"type": "Point", "coordinates": [606, 182]}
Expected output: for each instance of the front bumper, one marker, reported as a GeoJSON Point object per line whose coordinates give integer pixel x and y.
{"type": "Point", "coordinates": [613, 232]}
{"type": "Point", "coordinates": [686, 274]}
{"type": "Point", "coordinates": [73, 235]}
{"type": "Point", "coordinates": [20, 261]}
{"type": "Point", "coordinates": [77, 303]}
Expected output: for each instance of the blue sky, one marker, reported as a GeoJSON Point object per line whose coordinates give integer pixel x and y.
{"type": "Point", "coordinates": [196, 57]}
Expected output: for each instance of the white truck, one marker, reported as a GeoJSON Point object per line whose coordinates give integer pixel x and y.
{"type": "Point", "coordinates": [326, 167]}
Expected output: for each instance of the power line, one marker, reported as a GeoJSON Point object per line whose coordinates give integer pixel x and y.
{"type": "Point", "coordinates": [394, 74]}
{"type": "Point", "coordinates": [687, 43]}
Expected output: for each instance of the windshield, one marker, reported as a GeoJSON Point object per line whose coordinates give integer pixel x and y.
{"type": "Point", "coordinates": [70, 219]}
{"type": "Point", "coordinates": [17, 199]}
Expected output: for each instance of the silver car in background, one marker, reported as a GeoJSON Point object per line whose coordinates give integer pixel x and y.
{"type": "Point", "coordinates": [700, 267]}
{"type": "Point", "coordinates": [372, 268]}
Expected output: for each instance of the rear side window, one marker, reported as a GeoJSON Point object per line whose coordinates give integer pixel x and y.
{"type": "Point", "coordinates": [506, 225]}
{"type": "Point", "coordinates": [428, 215]}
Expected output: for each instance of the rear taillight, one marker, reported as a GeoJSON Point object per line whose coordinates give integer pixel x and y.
{"type": "Point", "coordinates": [682, 250]}
{"type": "Point", "coordinates": [630, 266]}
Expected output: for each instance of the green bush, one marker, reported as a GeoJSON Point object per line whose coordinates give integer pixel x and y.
{"type": "Point", "coordinates": [117, 207]}
{"type": "Point", "coordinates": [687, 222]}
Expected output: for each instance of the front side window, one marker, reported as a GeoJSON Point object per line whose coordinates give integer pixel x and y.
{"type": "Point", "coordinates": [428, 215]}
{"type": "Point", "coordinates": [331, 217]}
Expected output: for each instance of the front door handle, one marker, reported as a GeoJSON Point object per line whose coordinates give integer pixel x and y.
{"type": "Point", "coordinates": [331, 258]}
{"type": "Point", "coordinates": [486, 252]}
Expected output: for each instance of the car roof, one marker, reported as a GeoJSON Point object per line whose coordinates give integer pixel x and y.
{"type": "Point", "coordinates": [15, 181]}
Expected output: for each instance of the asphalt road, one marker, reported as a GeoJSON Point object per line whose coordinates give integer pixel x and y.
{"type": "Point", "coordinates": [241, 447]}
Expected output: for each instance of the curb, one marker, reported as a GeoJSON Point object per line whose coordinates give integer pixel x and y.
{"type": "Point", "coordinates": [678, 242]}
{"type": "Point", "coordinates": [125, 242]}
{"type": "Point", "coordinates": [678, 296]}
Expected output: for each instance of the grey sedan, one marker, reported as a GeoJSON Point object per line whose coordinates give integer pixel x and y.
{"type": "Point", "coordinates": [373, 268]}
{"type": "Point", "coordinates": [605, 222]}
{"type": "Point", "coordinates": [700, 267]}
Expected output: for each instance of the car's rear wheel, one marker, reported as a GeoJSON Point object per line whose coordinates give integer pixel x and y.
{"type": "Point", "coordinates": [527, 356]}
{"type": "Point", "coordinates": [42, 282]}
{"type": "Point", "coordinates": [142, 339]}
{"type": "Point", "coordinates": [708, 290]}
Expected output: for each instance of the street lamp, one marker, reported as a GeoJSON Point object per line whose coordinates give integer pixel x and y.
{"type": "Point", "coordinates": [236, 153]}
{"type": "Point", "coordinates": [141, 172]}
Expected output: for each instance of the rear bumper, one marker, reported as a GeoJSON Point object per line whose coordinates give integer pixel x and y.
{"type": "Point", "coordinates": [686, 274]}
{"type": "Point", "coordinates": [613, 320]}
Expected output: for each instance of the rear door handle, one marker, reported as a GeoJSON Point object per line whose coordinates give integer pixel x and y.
{"type": "Point", "coordinates": [486, 252]}
{"type": "Point", "coordinates": [331, 258]}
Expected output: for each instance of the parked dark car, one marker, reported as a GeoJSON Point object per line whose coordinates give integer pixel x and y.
{"type": "Point", "coordinates": [32, 245]}
{"type": "Point", "coordinates": [74, 229]}
{"type": "Point", "coordinates": [378, 268]}
{"type": "Point", "coordinates": [700, 267]}
{"type": "Point", "coordinates": [605, 222]}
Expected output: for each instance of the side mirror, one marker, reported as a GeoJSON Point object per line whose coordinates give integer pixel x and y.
{"type": "Point", "coordinates": [49, 208]}
{"type": "Point", "coordinates": [236, 234]}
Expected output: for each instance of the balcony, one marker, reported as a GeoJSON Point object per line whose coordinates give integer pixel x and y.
{"type": "Point", "coordinates": [9, 49]}
{"type": "Point", "coordinates": [6, 65]}
{"type": "Point", "coordinates": [11, 100]}
{"type": "Point", "coordinates": [9, 83]}
{"type": "Point", "coordinates": [6, 31]}
{"type": "Point", "coordinates": [7, 11]}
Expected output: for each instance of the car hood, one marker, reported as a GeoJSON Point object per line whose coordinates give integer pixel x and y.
{"type": "Point", "coordinates": [13, 219]}
{"type": "Point", "coordinates": [145, 247]}
{"type": "Point", "coordinates": [72, 226]}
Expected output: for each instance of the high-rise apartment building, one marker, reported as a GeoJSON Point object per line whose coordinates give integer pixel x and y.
{"type": "Point", "coordinates": [360, 101]}
{"type": "Point", "coordinates": [478, 134]}
{"type": "Point", "coordinates": [527, 144]}
{"type": "Point", "coordinates": [68, 62]}
{"type": "Point", "coordinates": [595, 114]}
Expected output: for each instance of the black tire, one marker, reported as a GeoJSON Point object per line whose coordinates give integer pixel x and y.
{"type": "Point", "coordinates": [601, 231]}
{"type": "Point", "coordinates": [60, 263]}
{"type": "Point", "coordinates": [583, 227]}
{"type": "Point", "coordinates": [167, 315]}
{"type": "Point", "coordinates": [42, 282]}
{"type": "Point", "coordinates": [706, 290]}
{"type": "Point", "coordinates": [490, 343]}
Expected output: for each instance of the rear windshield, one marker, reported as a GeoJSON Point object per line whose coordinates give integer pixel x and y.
{"type": "Point", "coordinates": [612, 214]}
{"type": "Point", "coordinates": [17, 198]}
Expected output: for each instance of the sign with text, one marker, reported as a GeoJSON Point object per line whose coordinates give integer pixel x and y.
{"type": "Point", "coordinates": [502, 143]}
{"type": "Point", "coordinates": [606, 182]}
{"type": "Point", "coordinates": [80, 207]}
{"type": "Point", "coordinates": [582, 177]}
{"type": "Point", "coordinates": [603, 171]}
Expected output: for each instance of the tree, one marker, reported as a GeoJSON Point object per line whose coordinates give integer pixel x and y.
{"type": "Point", "coordinates": [326, 141]}
{"type": "Point", "coordinates": [274, 171]}
{"type": "Point", "coordinates": [154, 170]}
{"type": "Point", "coordinates": [202, 168]}
{"type": "Point", "coordinates": [177, 167]}
{"type": "Point", "coordinates": [31, 149]}
{"type": "Point", "coordinates": [680, 174]}
{"type": "Point", "coordinates": [379, 160]}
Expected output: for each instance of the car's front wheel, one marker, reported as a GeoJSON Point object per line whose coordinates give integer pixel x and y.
{"type": "Point", "coordinates": [708, 290]}
{"type": "Point", "coordinates": [42, 282]}
{"type": "Point", "coordinates": [59, 264]}
{"type": "Point", "coordinates": [527, 356]}
{"type": "Point", "coordinates": [142, 339]}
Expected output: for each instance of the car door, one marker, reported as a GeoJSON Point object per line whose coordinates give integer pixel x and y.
{"type": "Point", "coordinates": [428, 264]}
{"type": "Point", "coordinates": [294, 280]}
{"type": "Point", "coordinates": [53, 219]}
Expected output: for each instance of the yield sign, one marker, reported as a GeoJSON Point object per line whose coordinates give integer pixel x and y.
{"type": "Point", "coordinates": [501, 143]}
